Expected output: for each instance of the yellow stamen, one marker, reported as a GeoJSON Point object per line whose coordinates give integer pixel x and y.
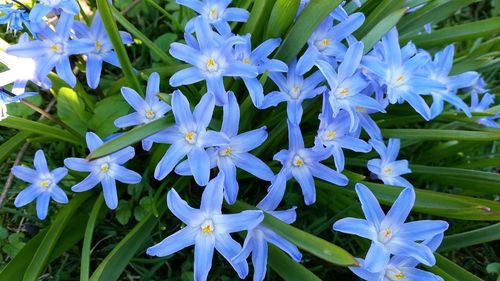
{"type": "Point", "coordinates": [344, 92]}
{"type": "Point", "coordinates": [326, 42]}
{"type": "Point", "coordinates": [207, 227]}
{"type": "Point", "coordinates": [150, 114]}
{"type": "Point", "coordinates": [98, 46]}
{"type": "Point", "coordinates": [400, 78]}
{"type": "Point", "coordinates": [387, 232]}
{"type": "Point", "coordinates": [298, 161]}
{"type": "Point", "coordinates": [359, 108]}
{"type": "Point", "coordinates": [211, 65]}
{"type": "Point", "coordinates": [228, 151]}
{"type": "Point", "coordinates": [213, 13]}
{"type": "Point", "coordinates": [400, 276]}
{"type": "Point", "coordinates": [246, 60]}
{"type": "Point", "coordinates": [190, 137]}
{"type": "Point", "coordinates": [104, 168]}
{"type": "Point", "coordinates": [55, 48]}
{"type": "Point", "coordinates": [330, 134]}
{"type": "Point", "coordinates": [45, 183]}
{"type": "Point", "coordinates": [387, 170]}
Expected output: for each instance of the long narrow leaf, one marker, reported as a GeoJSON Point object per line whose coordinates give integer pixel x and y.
{"type": "Point", "coordinates": [40, 128]}
{"type": "Point", "coordinates": [87, 241]}
{"type": "Point", "coordinates": [287, 268]}
{"type": "Point", "coordinates": [114, 36]}
{"type": "Point", "coordinates": [470, 238]}
{"type": "Point", "coordinates": [435, 134]}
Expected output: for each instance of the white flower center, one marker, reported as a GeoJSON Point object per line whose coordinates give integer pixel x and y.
{"type": "Point", "coordinates": [322, 44]}
{"type": "Point", "coordinates": [57, 48]}
{"type": "Point", "coordinates": [226, 152]}
{"type": "Point", "coordinates": [342, 93]}
{"type": "Point", "coordinates": [46, 183]}
{"type": "Point", "coordinates": [295, 92]}
{"type": "Point", "coordinates": [394, 274]}
{"type": "Point", "coordinates": [213, 14]}
{"type": "Point", "coordinates": [150, 115]}
{"type": "Point", "coordinates": [399, 80]}
{"type": "Point", "coordinates": [104, 167]}
{"type": "Point", "coordinates": [190, 137]}
{"type": "Point", "coordinates": [207, 227]}
{"type": "Point", "coordinates": [298, 161]}
{"type": "Point", "coordinates": [329, 135]}
{"type": "Point", "coordinates": [387, 170]}
{"type": "Point", "coordinates": [212, 66]}
{"type": "Point", "coordinates": [385, 235]}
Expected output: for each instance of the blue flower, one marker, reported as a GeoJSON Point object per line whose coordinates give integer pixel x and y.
{"type": "Point", "coordinates": [211, 58]}
{"type": "Point", "coordinates": [333, 133]}
{"type": "Point", "coordinates": [235, 153]}
{"type": "Point", "coordinates": [20, 70]}
{"type": "Point", "coordinates": [303, 164]}
{"type": "Point", "coordinates": [257, 239]}
{"type": "Point", "coordinates": [346, 87]}
{"type": "Point", "coordinates": [189, 136]}
{"type": "Point", "coordinates": [216, 13]}
{"type": "Point", "coordinates": [13, 17]}
{"type": "Point", "coordinates": [294, 89]}
{"type": "Point", "coordinates": [44, 7]}
{"type": "Point", "coordinates": [207, 229]}
{"type": "Point", "coordinates": [398, 267]}
{"type": "Point", "coordinates": [388, 232]}
{"type": "Point", "coordinates": [54, 50]}
{"type": "Point", "coordinates": [439, 70]}
{"type": "Point", "coordinates": [481, 105]}
{"type": "Point", "coordinates": [43, 185]}
{"type": "Point", "coordinates": [399, 72]}
{"type": "Point", "coordinates": [106, 170]}
{"type": "Point", "coordinates": [258, 58]}
{"type": "Point", "coordinates": [146, 110]}
{"type": "Point", "coordinates": [325, 44]}
{"type": "Point", "coordinates": [103, 49]}
{"type": "Point", "coordinates": [387, 168]}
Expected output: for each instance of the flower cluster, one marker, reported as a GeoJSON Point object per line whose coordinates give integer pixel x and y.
{"type": "Point", "coordinates": [51, 46]}
{"type": "Point", "coordinates": [333, 70]}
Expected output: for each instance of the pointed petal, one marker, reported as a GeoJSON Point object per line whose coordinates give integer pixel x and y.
{"type": "Point", "coordinates": [211, 199]}
{"type": "Point", "coordinates": [174, 243]}
{"type": "Point", "coordinates": [200, 165]}
{"type": "Point", "coordinates": [110, 193]}
{"type": "Point", "coordinates": [27, 195]}
{"type": "Point", "coordinates": [182, 210]}
{"type": "Point", "coordinates": [174, 154]}
{"type": "Point", "coordinates": [357, 227]}
{"type": "Point", "coordinates": [253, 165]}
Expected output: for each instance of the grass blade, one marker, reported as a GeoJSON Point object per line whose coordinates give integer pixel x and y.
{"type": "Point", "coordinates": [137, 33]}
{"type": "Point", "coordinates": [135, 135]}
{"type": "Point", "coordinates": [40, 128]}
{"type": "Point", "coordinates": [114, 36]}
{"type": "Point", "coordinates": [49, 241]}
{"type": "Point", "coordinates": [435, 134]}
{"type": "Point", "coordinates": [470, 238]}
{"type": "Point", "coordinates": [87, 241]}
{"type": "Point", "coordinates": [448, 35]}
{"type": "Point", "coordinates": [381, 29]}
{"type": "Point", "coordinates": [8, 147]}
{"type": "Point", "coordinates": [281, 18]}
{"type": "Point", "coordinates": [309, 19]}
{"type": "Point", "coordinates": [452, 270]}
{"type": "Point", "coordinates": [305, 241]}
{"type": "Point", "coordinates": [287, 268]}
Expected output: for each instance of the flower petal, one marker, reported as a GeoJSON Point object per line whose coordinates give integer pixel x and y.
{"type": "Point", "coordinates": [78, 164]}
{"type": "Point", "coordinates": [200, 165]}
{"type": "Point", "coordinates": [110, 193]}
{"type": "Point", "coordinates": [237, 222]}
{"type": "Point", "coordinates": [211, 199]}
{"type": "Point", "coordinates": [24, 173]}
{"type": "Point", "coordinates": [27, 195]}
{"type": "Point", "coordinates": [174, 154]}
{"type": "Point", "coordinates": [400, 209]}
{"type": "Point", "coordinates": [203, 255]}
{"type": "Point", "coordinates": [174, 243]}
{"type": "Point", "coordinates": [357, 227]}
{"type": "Point", "coordinates": [182, 210]}
{"type": "Point", "coordinates": [253, 165]}
{"type": "Point", "coordinates": [369, 204]}
{"type": "Point", "coordinates": [89, 182]}
{"type": "Point", "coordinates": [125, 175]}
{"type": "Point", "coordinates": [42, 205]}
{"type": "Point", "coordinates": [231, 116]}
{"type": "Point", "coordinates": [40, 162]}
{"type": "Point", "coordinates": [229, 248]}
{"type": "Point", "coordinates": [59, 195]}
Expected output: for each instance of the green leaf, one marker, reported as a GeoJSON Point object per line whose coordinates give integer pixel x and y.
{"type": "Point", "coordinates": [71, 110]}
{"type": "Point", "coordinates": [281, 18]}
{"type": "Point", "coordinates": [287, 268]}
{"type": "Point", "coordinates": [433, 12]}
{"type": "Point", "coordinates": [137, 33]}
{"type": "Point", "coordinates": [448, 35]}
{"type": "Point", "coordinates": [42, 254]}
{"type": "Point", "coordinates": [87, 241]}
{"type": "Point", "coordinates": [135, 135]}
{"type": "Point", "coordinates": [427, 201]}
{"type": "Point", "coordinates": [312, 15]}
{"type": "Point", "coordinates": [21, 110]}
{"type": "Point", "coordinates": [8, 147]}
{"type": "Point", "coordinates": [105, 114]}
{"type": "Point", "coordinates": [163, 42]}
{"type": "Point", "coordinates": [40, 128]}
{"type": "Point", "coordinates": [453, 270]}
{"type": "Point", "coordinates": [308, 242]}
{"type": "Point", "coordinates": [381, 28]}
{"type": "Point", "coordinates": [259, 15]}
{"type": "Point", "coordinates": [376, 14]}
{"type": "Point", "coordinates": [435, 134]}
{"type": "Point", "coordinates": [470, 238]}
{"type": "Point", "coordinates": [124, 212]}
{"type": "Point", "coordinates": [115, 262]}
{"type": "Point", "coordinates": [479, 181]}
{"type": "Point", "coordinates": [72, 233]}
{"type": "Point", "coordinates": [108, 21]}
